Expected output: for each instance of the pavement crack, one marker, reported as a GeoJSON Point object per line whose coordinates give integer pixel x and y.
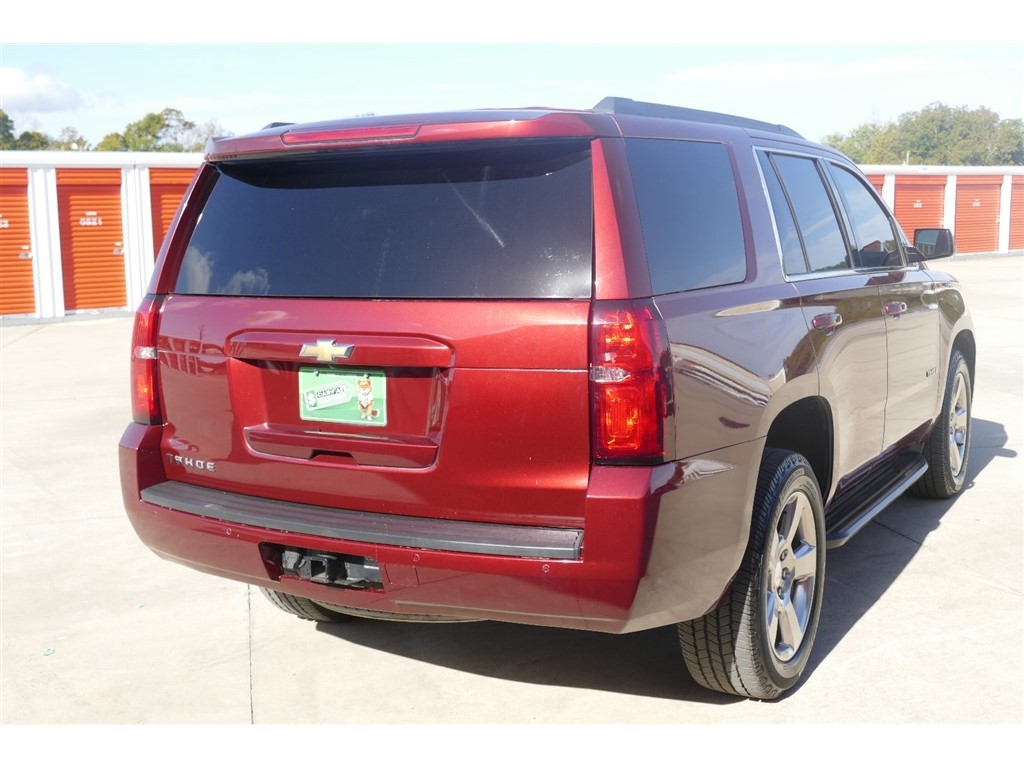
{"type": "Point", "coordinates": [12, 342]}
{"type": "Point", "coordinates": [1014, 589]}
{"type": "Point", "coordinates": [248, 611]}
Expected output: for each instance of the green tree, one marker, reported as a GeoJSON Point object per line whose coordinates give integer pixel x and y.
{"type": "Point", "coordinates": [165, 131]}
{"type": "Point", "coordinates": [959, 136]}
{"type": "Point", "coordinates": [70, 139]}
{"type": "Point", "coordinates": [24, 140]}
{"type": "Point", "coordinates": [1009, 141]}
{"type": "Point", "coordinates": [6, 131]}
{"type": "Point", "coordinates": [203, 133]}
{"type": "Point", "coordinates": [879, 142]}
{"type": "Point", "coordinates": [36, 140]}
{"type": "Point", "coordinates": [112, 142]}
{"type": "Point", "coordinates": [937, 135]}
{"type": "Point", "coordinates": [33, 140]}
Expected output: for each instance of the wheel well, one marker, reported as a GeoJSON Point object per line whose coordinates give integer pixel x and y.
{"type": "Point", "coordinates": [965, 343]}
{"type": "Point", "coordinates": [806, 427]}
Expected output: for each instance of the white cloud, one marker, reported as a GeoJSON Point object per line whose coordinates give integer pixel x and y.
{"type": "Point", "coordinates": [24, 92]}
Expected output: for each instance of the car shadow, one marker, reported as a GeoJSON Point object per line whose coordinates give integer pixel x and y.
{"type": "Point", "coordinates": [649, 663]}
{"type": "Point", "coordinates": [891, 541]}
{"type": "Point", "coordinates": [641, 664]}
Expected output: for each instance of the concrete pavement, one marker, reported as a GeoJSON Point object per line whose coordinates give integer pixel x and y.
{"type": "Point", "coordinates": [923, 620]}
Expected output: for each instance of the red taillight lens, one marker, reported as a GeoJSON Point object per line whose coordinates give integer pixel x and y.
{"type": "Point", "coordinates": [630, 365]}
{"type": "Point", "coordinates": [145, 399]}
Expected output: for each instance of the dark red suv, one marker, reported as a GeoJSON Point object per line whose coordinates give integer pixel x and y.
{"type": "Point", "coordinates": [610, 369]}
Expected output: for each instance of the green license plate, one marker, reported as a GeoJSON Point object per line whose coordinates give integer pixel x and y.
{"type": "Point", "coordinates": [345, 397]}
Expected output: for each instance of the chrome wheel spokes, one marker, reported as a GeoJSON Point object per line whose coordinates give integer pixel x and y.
{"type": "Point", "coordinates": [791, 572]}
{"type": "Point", "coordinates": [958, 425]}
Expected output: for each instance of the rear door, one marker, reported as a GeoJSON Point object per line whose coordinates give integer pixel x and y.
{"type": "Point", "coordinates": [842, 308]}
{"type": "Point", "coordinates": [398, 331]}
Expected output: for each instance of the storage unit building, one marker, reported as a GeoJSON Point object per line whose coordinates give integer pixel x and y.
{"type": "Point", "coordinates": [79, 231]}
{"type": "Point", "coordinates": [981, 204]}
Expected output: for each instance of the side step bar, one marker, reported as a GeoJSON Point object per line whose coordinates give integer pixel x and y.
{"type": "Point", "coordinates": [855, 509]}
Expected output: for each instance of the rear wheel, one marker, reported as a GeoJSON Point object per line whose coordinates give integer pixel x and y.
{"type": "Point", "coordinates": [302, 607]}
{"type": "Point", "coordinates": [757, 641]}
{"type": "Point", "coordinates": [949, 445]}
{"type": "Point", "coordinates": [305, 608]}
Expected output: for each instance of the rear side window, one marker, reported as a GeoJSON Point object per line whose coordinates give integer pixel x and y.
{"type": "Point", "coordinates": [493, 220]}
{"type": "Point", "coordinates": [793, 258]}
{"type": "Point", "coordinates": [690, 213]}
{"type": "Point", "coordinates": [811, 208]}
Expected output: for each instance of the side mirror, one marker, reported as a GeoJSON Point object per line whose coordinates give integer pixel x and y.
{"type": "Point", "coordinates": [932, 244]}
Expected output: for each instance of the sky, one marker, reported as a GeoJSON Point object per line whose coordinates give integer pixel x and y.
{"type": "Point", "coordinates": [343, 66]}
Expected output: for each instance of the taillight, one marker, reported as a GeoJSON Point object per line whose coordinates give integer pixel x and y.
{"type": "Point", "coordinates": [630, 383]}
{"type": "Point", "coordinates": [145, 398]}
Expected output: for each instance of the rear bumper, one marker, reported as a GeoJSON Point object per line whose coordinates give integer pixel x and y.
{"type": "Point", "coordinates": [659, 544]}
{"type": "Point", "coordinates": [373, 528]}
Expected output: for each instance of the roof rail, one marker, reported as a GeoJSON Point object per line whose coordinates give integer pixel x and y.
{"type": "Point", "coordinates": [617, 105]}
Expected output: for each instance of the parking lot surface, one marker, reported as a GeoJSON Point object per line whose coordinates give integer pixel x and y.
{"type": "Point", "coordinates": [923, 620]}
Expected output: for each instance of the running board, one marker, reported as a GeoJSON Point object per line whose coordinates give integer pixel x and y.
{"type": "Point", "coordinates": [855, 509]}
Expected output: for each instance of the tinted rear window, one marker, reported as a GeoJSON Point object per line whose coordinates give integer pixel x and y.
{"type": "Point", "coordinates": [504, 220]}
{"type": "Point", "coordinates": [690, 213]}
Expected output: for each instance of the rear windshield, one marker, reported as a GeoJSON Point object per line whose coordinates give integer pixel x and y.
{"type": "Point", "coordinates": [504, 220]}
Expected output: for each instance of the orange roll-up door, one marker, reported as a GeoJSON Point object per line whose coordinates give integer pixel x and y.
{"type": "Point", "coordinates": [17, 283]}
{"type": "Point", "coordinates": [977, 213]}
{"type": "Point", "coordinates": [91, 237]}
{"type": "Point", "coordinates": [919, 202]}
{"type": "Point", "coordinates": [877, 180]}
{"type": "Point", "coordinates": [1017, 214]}
{"type": "Point", "coordinates": [166, 188]}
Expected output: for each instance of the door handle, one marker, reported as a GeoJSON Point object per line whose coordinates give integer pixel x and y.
{"type": "Point", "coordinates": [895, 308]}
{"type": "Point", "coordinates": [827, 322]}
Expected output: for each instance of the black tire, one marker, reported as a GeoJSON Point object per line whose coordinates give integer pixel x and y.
{"type": "Point", "coordinates": [302, 607]}
{"type": "Point", "coordinates": [305, 608]}
{"type": "Point", "coordinates": [948, 447]}
{"type": "Point", "coordinates": [409, 618]}
{"type": "Point", "coordinates": [741, 646]}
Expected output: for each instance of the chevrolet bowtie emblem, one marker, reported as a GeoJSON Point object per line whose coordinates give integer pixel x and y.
{"type": "Point", "coordinates": [325, 350]}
